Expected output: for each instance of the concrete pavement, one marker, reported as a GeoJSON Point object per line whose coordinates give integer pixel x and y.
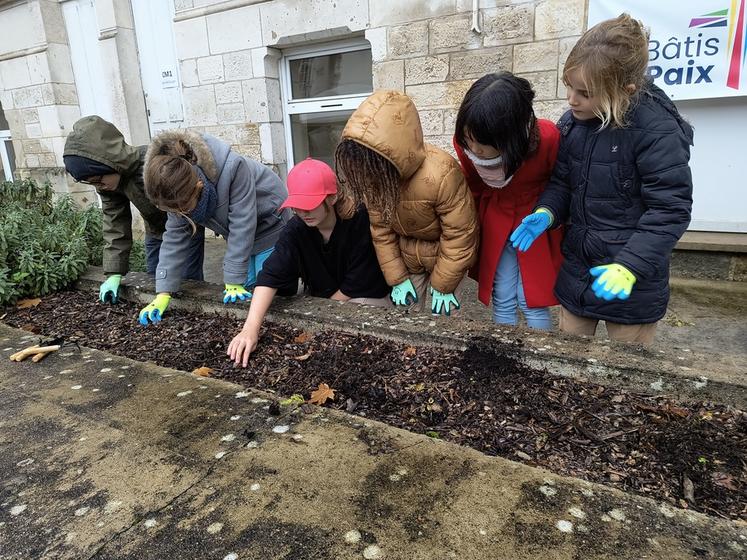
{"type": "Point", "coordinates": [102, 457]}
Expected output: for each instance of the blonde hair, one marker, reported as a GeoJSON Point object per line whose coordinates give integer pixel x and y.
{"type": "Point", "coordinates": [610, 57]}
{"type": "Point", "coordinates": [171, 182]}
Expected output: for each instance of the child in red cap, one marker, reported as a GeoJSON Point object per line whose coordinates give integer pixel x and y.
{"type": "Point", "coordinates": [327, 244]}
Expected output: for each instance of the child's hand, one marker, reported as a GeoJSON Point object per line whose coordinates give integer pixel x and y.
{"type": "Point", "coordinates": [530, 229]}
{"type": "Point", "coordinates": [404, 293]}
{"type": "Point", "coordinates": [234, 292]}
{"type": "Point", "coordinates": [153, 312]}
{"type": "Point", "coordinates": [612, 281]}
{"type": "Point", "coordinates": [442, 304]}
{"type": "Point", "coordinates": [242, 346]}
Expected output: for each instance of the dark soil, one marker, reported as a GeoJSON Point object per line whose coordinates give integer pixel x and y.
{"type": "Point", "coordinates": [692, 455]}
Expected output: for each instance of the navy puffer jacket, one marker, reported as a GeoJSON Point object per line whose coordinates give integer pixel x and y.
{"type": "Point", "coordinates": [626, 194]}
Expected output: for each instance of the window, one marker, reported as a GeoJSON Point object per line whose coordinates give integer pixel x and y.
{"type": "Point", "coordinates": [322, 86]}
{"type": "Point", "coordinates": [7, 155]}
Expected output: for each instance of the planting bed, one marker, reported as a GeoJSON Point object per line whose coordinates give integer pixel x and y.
{"type": "Point", "coordinates": [692, 455]}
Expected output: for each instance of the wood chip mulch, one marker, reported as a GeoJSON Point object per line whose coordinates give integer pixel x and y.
{"type": "Point", "coordinates": [692, 455]}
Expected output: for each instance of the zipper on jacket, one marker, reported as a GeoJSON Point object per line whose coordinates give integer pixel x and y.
{"type": "Point", "coordinates": [591, 142]}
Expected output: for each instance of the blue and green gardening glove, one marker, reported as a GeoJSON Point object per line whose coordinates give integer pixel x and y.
{"type": "Point", "coordinates": [155, 309]}
{"type": "Point", "coordinates": [442, 304]}
{"type": "Point", "coordinates": [109, 290]}
{"type": "Point", "coordinates": [530, 228]}
{"type": "Point", "coordinates": [612, 281]}
{"type": "Point", "coordinates": [234, 292]}
{"type": "Point", "coordinates": [404, 293]}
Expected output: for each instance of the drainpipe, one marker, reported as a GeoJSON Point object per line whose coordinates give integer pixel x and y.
{"type": "Point", "coordinates": [476, 16]}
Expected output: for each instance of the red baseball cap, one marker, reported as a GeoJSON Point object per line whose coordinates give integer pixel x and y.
{"type": "Point", "coordinates": [309, 183]}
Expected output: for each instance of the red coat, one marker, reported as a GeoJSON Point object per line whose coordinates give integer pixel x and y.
{"type": "Point", "coordinates": [501, 211]}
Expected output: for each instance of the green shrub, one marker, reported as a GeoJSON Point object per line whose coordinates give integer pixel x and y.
{"type": "Point", "coordinates": [44, 244]}
{"type": "Point", "coordinates": [137, 256]}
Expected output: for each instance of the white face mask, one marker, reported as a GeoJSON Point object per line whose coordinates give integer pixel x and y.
{"type": "Point", "coordinates": [492, 162]}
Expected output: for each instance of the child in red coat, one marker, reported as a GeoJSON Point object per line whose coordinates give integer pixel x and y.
{"type": "Point", "coordinates": [507, 156]}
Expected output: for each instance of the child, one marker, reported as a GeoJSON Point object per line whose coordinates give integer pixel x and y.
{"type": "Point", "coordinates": [96, 154]}
{"type": "Point", "coordinates": [507, 156]}
{"type": "Point", "coordinates": [623, 182]}
{"type": "Point", "coordinates": [423, 218]}
{"type": "Point", "coordinates": [327, 244]}
{"type": "Point", "coordinates": [198, 179]}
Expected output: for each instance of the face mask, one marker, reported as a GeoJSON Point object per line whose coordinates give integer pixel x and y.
{"type": "Point", "coordinates": [492, 162]}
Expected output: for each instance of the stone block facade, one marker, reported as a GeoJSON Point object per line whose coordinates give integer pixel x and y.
{"type": "Point", "coordinates": [229, 57]}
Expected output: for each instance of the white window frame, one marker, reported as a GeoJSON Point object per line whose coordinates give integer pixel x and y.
{"type": "Point", "coordinates": [330, 104]}
{"type": "Point", "coordinates": [5, 135]}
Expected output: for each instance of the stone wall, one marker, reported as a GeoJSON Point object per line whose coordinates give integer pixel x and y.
{"type": "Point", "coordinates": [430, 50]}
{"type": "Point", "coordinates": [229, 54]}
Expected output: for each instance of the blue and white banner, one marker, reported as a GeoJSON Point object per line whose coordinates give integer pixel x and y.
{"type": "Point", "coordinates": [697, 48]}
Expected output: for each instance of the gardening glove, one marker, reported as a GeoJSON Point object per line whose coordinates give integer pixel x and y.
{"type": "Point", "coordinates": [612, 281]}
{"type": "Point", "coordinates": [234, 292]}
{"type": "Point", "coordinates": [109, 290]}
{"type": "Point", "coordinates": [404, 293]}
{"type": "Point", "coordinates": [155, 309]}
{"type": "Point", "coordinates": [530, 228]}
{"type": "Point", "coordinates": [443, 303]}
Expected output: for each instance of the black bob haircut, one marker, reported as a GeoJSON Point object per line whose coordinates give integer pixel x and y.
{"type": "Point", "coordinates": [497, 111]}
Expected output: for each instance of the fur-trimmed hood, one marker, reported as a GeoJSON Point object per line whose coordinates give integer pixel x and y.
{"type": "Point", "coordinates": [210, 154]}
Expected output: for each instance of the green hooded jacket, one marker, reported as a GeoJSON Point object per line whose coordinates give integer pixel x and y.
{"type": "Point", "coordinates": [94, 138]}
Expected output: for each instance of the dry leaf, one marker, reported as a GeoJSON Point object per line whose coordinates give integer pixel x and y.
{"type": "Point", "coordinates": [303, 357]}
{"type": "Point", "coordinates": [322, 394]}
{"type": "Point", "coordinates": [26, 303]}
{"type": "Point", "coordinates": [410, 351]}
{"type": "Point", "coordinates": [203, 371]}
{"type": "Point", "coordinates": [725, 480]}
{"type": "Point", "coordinates": [303, 337]}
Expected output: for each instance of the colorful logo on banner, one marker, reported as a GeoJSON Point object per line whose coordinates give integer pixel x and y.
{"type": "Point", "coordinates": [734, 19]}
{"type": "Point", "coordinates": [693, 53]}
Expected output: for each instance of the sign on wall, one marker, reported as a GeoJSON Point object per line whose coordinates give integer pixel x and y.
{"type": "Point", "coordinates": [696, 50]}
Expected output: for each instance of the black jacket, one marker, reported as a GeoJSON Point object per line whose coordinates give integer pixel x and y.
{"type": "Point", "coordinates": [347, 262]}
{"type": "Point", "coordinates": [626, 194]}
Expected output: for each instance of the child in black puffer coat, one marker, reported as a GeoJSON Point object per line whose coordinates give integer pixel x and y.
{"type": "Point", "coordinates": [622, 182]}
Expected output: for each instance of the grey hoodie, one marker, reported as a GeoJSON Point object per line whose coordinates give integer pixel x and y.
{"type": "Point", "coordinates": [247, 212]}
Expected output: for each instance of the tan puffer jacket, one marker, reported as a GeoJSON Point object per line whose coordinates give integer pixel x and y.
{"type": "Point", "coordinates": [435, 229]}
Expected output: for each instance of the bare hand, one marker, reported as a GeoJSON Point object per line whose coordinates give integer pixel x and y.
{"type": "Point", "coordinates": [242, 346]}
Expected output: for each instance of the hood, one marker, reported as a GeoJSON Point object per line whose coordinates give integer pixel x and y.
{"type": "Point", "coordinates": [94, 138]}
{"type": "Point", "coordinates": [210, 152]}
{"type": "Point", "coordinates": [388, 123]}
{"type": "Point", "coordinates": [658, 95]}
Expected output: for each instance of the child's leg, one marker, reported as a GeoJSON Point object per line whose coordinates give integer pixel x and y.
{"type": "Point", "coordinates": [195, 256]}
{"type": "Point", "coordinates": [420, 282]}
{"type": "Point", "coordinates": [573, 324]}
{"type": "Point", "coordinates": [152, 248]}
{"type": "Point", "coordinates": [255, 266]}
{"type": "Point", "coordinates": [537, 317]}
{"type": "Point", "coordinates": [505, 284]}
{"type": "Point", "coordinates": [639, 334]}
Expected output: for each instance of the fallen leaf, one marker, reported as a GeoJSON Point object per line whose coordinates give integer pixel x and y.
{"type": "Point", "coordinates": [303, 358]}
{"type": "Point", "coordinates": [688, 489]}
{"type": "Point", "coordinates": [203, 371]}
{"type": "Point", "coordinates": [3, 316]}
{"type": "Point", "coordinates": [26, 303]}
{"type": "Point", "coordinates": [32, 328]}
{"type": "Point", "coordinates": [724, 480]}
{"type": "Point", "coordinates": [303, 337]}
{"type": "Point", "coordinates": [410, 351]}
{"type": "Point", "coordinates": [322, 394]}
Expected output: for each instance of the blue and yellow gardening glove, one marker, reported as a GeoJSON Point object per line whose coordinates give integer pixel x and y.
{"type": "Point", "coordinates": [612, 281]}
{"type": "Point", "coordinates": [109, 290]}
{"type": "Point", "coordinates": [404, 293]}
{"type": "Point", "coordinates": [155, 309]}
{"type": "Point", "coordinates": [234, 292]}
{"type": "Point", "coordinates": [442, 304]}
{"type": "Point", "coordinates": [530, 228]}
